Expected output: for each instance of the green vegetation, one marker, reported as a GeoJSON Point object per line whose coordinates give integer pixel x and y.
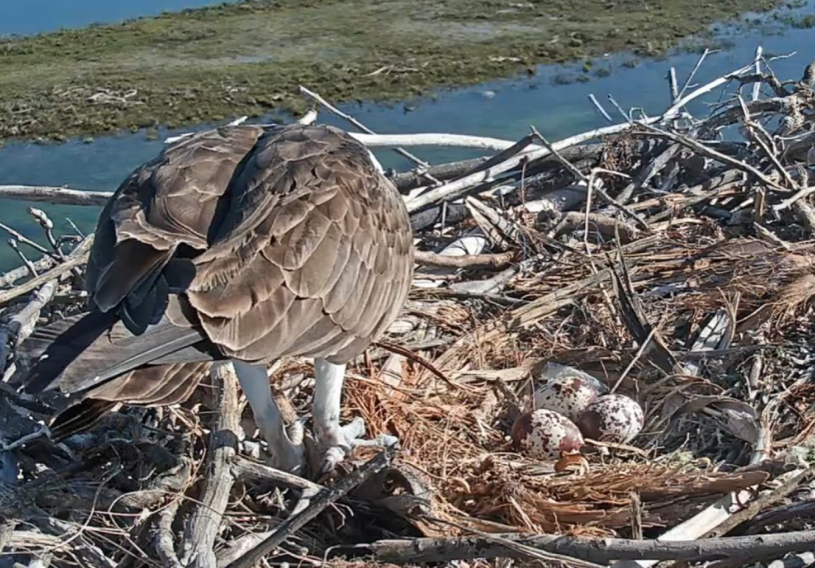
{"type": "Point", "coordinates": [249, 58]}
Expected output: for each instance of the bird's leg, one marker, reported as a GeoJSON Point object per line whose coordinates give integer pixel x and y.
{"type": "Point", "coordinates": [332, 439]}
{"type": "Point", "coordinates": [287, 455]}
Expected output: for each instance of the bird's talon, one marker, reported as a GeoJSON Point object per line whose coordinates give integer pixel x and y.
{"type": "Point", "coordinates": [345, 439]}
{"type": "Point", "coordinates": [288, 456]}
{"type": "Point", "coordinates": [332, 458]}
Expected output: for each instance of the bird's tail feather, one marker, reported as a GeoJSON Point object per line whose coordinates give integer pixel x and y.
{"type": "Point", "coordinates": [86, 350]}
{"type": "Point", "coordinates": [79, 418]}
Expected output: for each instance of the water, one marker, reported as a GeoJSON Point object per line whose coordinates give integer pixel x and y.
{"type": "Point", "coordinates": [504, 109]}
{"type": "Point", "coordinates": [30, 17]}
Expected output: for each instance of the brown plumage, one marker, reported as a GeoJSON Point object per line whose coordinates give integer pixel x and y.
{"type": "Point", "coordinates": [243, 242]}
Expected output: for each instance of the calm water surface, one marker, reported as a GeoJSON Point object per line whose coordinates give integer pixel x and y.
{"type": "Point", "coordinates": [27, 17]}
{"type": "Point", "coordinates": [503, 109]}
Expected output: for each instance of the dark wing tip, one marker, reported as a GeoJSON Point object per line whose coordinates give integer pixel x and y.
{"type": "Point", "coordinates": [54, 347]}
{"type": "Point", "coordinates": [79, 418]}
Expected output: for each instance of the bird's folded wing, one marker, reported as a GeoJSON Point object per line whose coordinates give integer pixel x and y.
{"type": "Point", "coordinates": [314, 256]}
{"type": "Point", "coordinates": [170, 202]}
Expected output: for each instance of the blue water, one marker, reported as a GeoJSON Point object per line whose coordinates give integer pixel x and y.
{"type": "Point", "coordinates": [27, 17]}
{"type": "Point", "coordinates": [504, 109]}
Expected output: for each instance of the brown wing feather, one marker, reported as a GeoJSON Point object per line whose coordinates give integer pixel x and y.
{"type": "Point", "coordinates": [155, 385]}
{"type": "Point", "coordinates": [319, 264]}
{"type": "Point", "coordinates": [175, 199]}
{"type": "Point", "coordinates": [158, 385]}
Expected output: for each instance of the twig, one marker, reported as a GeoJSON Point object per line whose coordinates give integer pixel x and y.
{"type": "Point", "coordinates": [636, 516]}
{"type": "Point", "coordinates": [636, 358]}
{"type": "Point", "coordinates": [696, 67]}
{"type": "Point", "coordinates": [647, 173]}
{"type": "Point", "coordinates": [497, 260]}
{"type": "Point", "coordinates": [757, 85]}
{"type": "Point", "coordinates": [405, 181]}
{"type": "Point", "coordinates": [29, 266]}
{"type": "Point", "coordinates": [16, 274]}
{"type": "Point", "coordinates": [800, 194]}
{"type": "Point", "coordinates": [239, 547]}
{"type": "Point", "coordinates": [718, 156]}
{"type": "Point", "coordinates": [753, 127]}
{"type": "Point", "coordinates": [48, 226]}
{"type": "Point", "coordinates": [25, 240]}
{"type": "Point", "coordinates": [504, 155]}
{"type": "Point", "coordinates": [600, 108]}
{"type": "Point", "coordinates": [163, 538]}
{"type": "Point", "coordinates": [674, 86]}
{"type": "Point", "coordinates": [22, 324]}
{"type": "Point", "coordinates": [246, 470]}
{"type": "Point", "coordinates": [763, 502]}
{"type": "Point", "coordinates": [401, 151]}
{"type": "Point", "coordinates": [524, 551]}
{"type": "Point", "coordinates": [805, 213]}
{"type": "Point", "coordinates": [6, 531]}
{"type": "Point", "coordinates": [323, 500]}
{"type": "Point", "coordinates": [616, 105]}
{"type": "Point", "coordinates": [566, 163]}
{"type": "Point", "coordinates": [584, 178]}
{"type": "Point", "coordinates": [598, 550]}
{"type": "Point", "coordinates": [700, 524]}
{"type": "Point", "coordinates": [502, 232]}
{"type": "Point", "coordinates": [77, 258]}
{"type": "Point", "coordinates": [676, 108]}
{"type": "Point", "coordinates": [202, 527]}
{"type": "Point", "coordinates": [309, 118]}
{"type": "Point", "coordinates": [54, 195]}
{"type": "Point", "coordinates": [781, 514]}
{"type": "Point", "coordinates": [604, 224]}
{"type": "Point", "coordinates": [172, 139]}
{"type": "Point", "coordinates": [79, 234]}
{"type": "Point", "coordinates": [460, 186]}
{"type": "Point", "coordinates": [416, 358]}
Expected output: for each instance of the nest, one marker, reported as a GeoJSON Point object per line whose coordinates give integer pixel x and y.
{"type": "Point", "coordinates": [685, 281]}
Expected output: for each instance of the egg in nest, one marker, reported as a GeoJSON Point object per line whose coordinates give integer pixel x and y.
{"type": "Point", "coordinates": [568, 394]}
{"type": "Point", "coordinates": [612, 418]}
{"type": "Point", "coordinates": [546, 435]}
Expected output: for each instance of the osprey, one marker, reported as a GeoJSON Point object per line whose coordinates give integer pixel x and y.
{"type": "Point", "coordinates": [244, 244]}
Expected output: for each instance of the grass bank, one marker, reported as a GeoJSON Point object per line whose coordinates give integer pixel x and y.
{"type": "Point", "coordinates": [248, 58]}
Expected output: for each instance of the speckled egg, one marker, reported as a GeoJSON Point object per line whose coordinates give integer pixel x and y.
{"type": "Point", "coordinates": [545, 435]}
{"type": "Point", "coordinates": [567, 394]}
{"type": "Point", "coordinates": [612, 418]}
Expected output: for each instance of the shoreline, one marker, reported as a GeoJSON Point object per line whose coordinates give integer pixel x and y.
{"type": "Point", "coordinates": [204, 65]}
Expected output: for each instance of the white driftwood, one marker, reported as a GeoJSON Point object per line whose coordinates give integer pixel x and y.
{"type": "Point", "coordinates": [54, 195]}
{"type": "Point", "coordinates": [438, 139]}
{"type": "Point", "coordinates": [356, 123]}
{"type": "Point", "coordinates": [420, 139]}
{"type": "Point", "coordinates": [455, 188]}
{"type": "Point", "coordinates": [676, 109]}
{"type": "Point", "coordinates": [172, 139]}
{"type": "Point", "coordinates": [757, 63]}
{"type": "Point", "coordinates": [309, 118]}
{"type": "Point", "coordinates": [472, 242]}
{"type": "Point", "coordinates": [702, 523]}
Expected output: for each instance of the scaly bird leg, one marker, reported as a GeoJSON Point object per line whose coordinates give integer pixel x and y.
{"type": "Point", "coordinates": [286, 454]}
{"type": "Point", "coordinates": [334, 440]}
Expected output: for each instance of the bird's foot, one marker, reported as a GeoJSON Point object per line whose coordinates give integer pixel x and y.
{"type": "Point", "coordinates": [287, 452]}
{"type": "Point", "coordinates": [337, 442]}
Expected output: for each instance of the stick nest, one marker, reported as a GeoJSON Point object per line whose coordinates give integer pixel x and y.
{"type": "Point", "coordinates": [674, 265]}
